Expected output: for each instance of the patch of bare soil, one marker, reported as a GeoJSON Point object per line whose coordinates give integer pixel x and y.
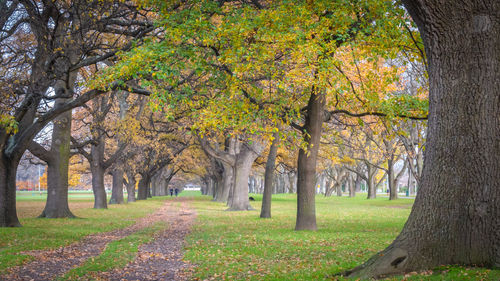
{"type": "Point", "coordinates": [50, 264]}
{"type": "Point", "coordinates": [162, 258]}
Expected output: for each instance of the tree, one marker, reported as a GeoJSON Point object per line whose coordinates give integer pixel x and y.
{"type": "Point", "coordinates": [455, 218]}
{"type": "Point", "coordinates": [39, 65]}
{"type": "Point", "coordinates": [265, 211]}
{"type": "Point", "coordinates": [240, 161]}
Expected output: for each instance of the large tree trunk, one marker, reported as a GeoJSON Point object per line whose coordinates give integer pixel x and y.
{"type": "Point", "coordinates": [370, 182]}
{"type": "Point", "coordinates": [144, 183]}
{"type": "Point", "coordinates": [98, 171]}
{"type": "Point", "coordinates": [306, 164]}
{"type": "Point", "coordinates": [56, 205]}
{"type": "Point", "coordinates": [100, 199]}
{"type": "Point", "coordinates": [456, 215]}
{"type": "Point", "coordinates": [8, 171]}
{"type": "Point", "coordinates": [245, 158]}
{"type": "Point", "coordinates": [130, 187]}
{"type": "Point", "coordinates": [339, 189]}
{"type": "Point", "coordinates": [227, 183]}
{"type": "Point", "coordinates": [352, 186]}
{"type": "Point", "coordinates": [357, 183]}
{"type": "Point", "coordinates": [265, 211]}
{"type": "Point", "coordinates": [117, 188]}
{"type": "Point", "coordinates": [293, 182]}
{"type": "Point", "coordinates": [118, 172]}
{"type": "Point", "coordinates": [393, 189]}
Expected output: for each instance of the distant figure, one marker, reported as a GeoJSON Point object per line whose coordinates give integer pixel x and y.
{"type": "Point", "coordinates": [176, 192]}
{"type": "Point", "coordinates": [172, 192]}
{"type": "Point", "coordinates": [251, 198]}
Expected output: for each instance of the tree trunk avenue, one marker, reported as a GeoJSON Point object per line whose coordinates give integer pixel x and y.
{"type": "Point", "coordinates": [456, 215]}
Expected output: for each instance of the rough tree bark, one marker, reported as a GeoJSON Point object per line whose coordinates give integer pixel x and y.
{"type": "Point", "coordinates": [244, 161]}
{"type": "Point", "coordinates": [393, 189]}
{"type": "Point", "coordinates": [130, 186]}
{"type": "Point", "coordinates": [98, 170]}
{"type": "Point", "coordinates": [306, 164]}
{"type": "Point", "coordinates": [57, 159]}
{"type": "Point", "coordinates": [117, 187]}
{"type": "Point", "coordinates": [352, 186]}
{"type": "Point", "coordinates": [370, 181]}
{"type": "Point", "coordinates": [8, 171]}
{"type": "Point", "coordinates": [456, 215]}
{"type": "Point", "coordinates": [265, 211]}
{"type": "Point", "coordinates": [58, 169]}
{"type": "Point", "coordinates": [118, 171]}
{"type": "Point", "coordinates": [393, 177]}
{"type": "Point", "coordinates": [143, 188]}
{"type": "Point", "coordinates": [227, 183]}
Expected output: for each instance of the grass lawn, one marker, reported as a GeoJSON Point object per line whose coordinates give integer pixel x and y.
{"type": "Point", "coordinates": [240, 246]}
{"type": "Point", "coordinates": [231, 245]}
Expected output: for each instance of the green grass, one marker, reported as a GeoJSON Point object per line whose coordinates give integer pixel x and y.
{"type": "Point", "coordinates": [240, 246]}
{"type": "Point", "coordinates": [116, 255]}
{"type": "Point", "coordinates": [40, 234]}
{"type": "Point", "coordinates": [232, 245]}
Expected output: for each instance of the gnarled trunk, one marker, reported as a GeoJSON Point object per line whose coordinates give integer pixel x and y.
{"type": "Point", "coordinates": [456, 215]}
{"type": "Point", "coordinates": [306, 164]}
{"type": "Point", "coordinates": [239, 200]}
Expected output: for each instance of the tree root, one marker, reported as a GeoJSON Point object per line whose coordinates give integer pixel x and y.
{"type": "Point", "coordinates": [391, 261]}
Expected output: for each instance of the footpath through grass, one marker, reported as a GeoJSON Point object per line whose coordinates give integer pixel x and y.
{"type": "Point", "coordinates": [42, 234]}
{"type": "Point", "coordinates": [240, 246]}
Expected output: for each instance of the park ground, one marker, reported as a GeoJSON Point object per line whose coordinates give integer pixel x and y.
{"type": "Point", "coordinates": [193, 238]}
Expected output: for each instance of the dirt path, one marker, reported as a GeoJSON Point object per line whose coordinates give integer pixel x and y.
{"type": "Point", "coordinates": [159, 260]}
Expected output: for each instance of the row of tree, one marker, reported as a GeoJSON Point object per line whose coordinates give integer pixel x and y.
{"type": "Point", "coordinates": [244, 79]}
